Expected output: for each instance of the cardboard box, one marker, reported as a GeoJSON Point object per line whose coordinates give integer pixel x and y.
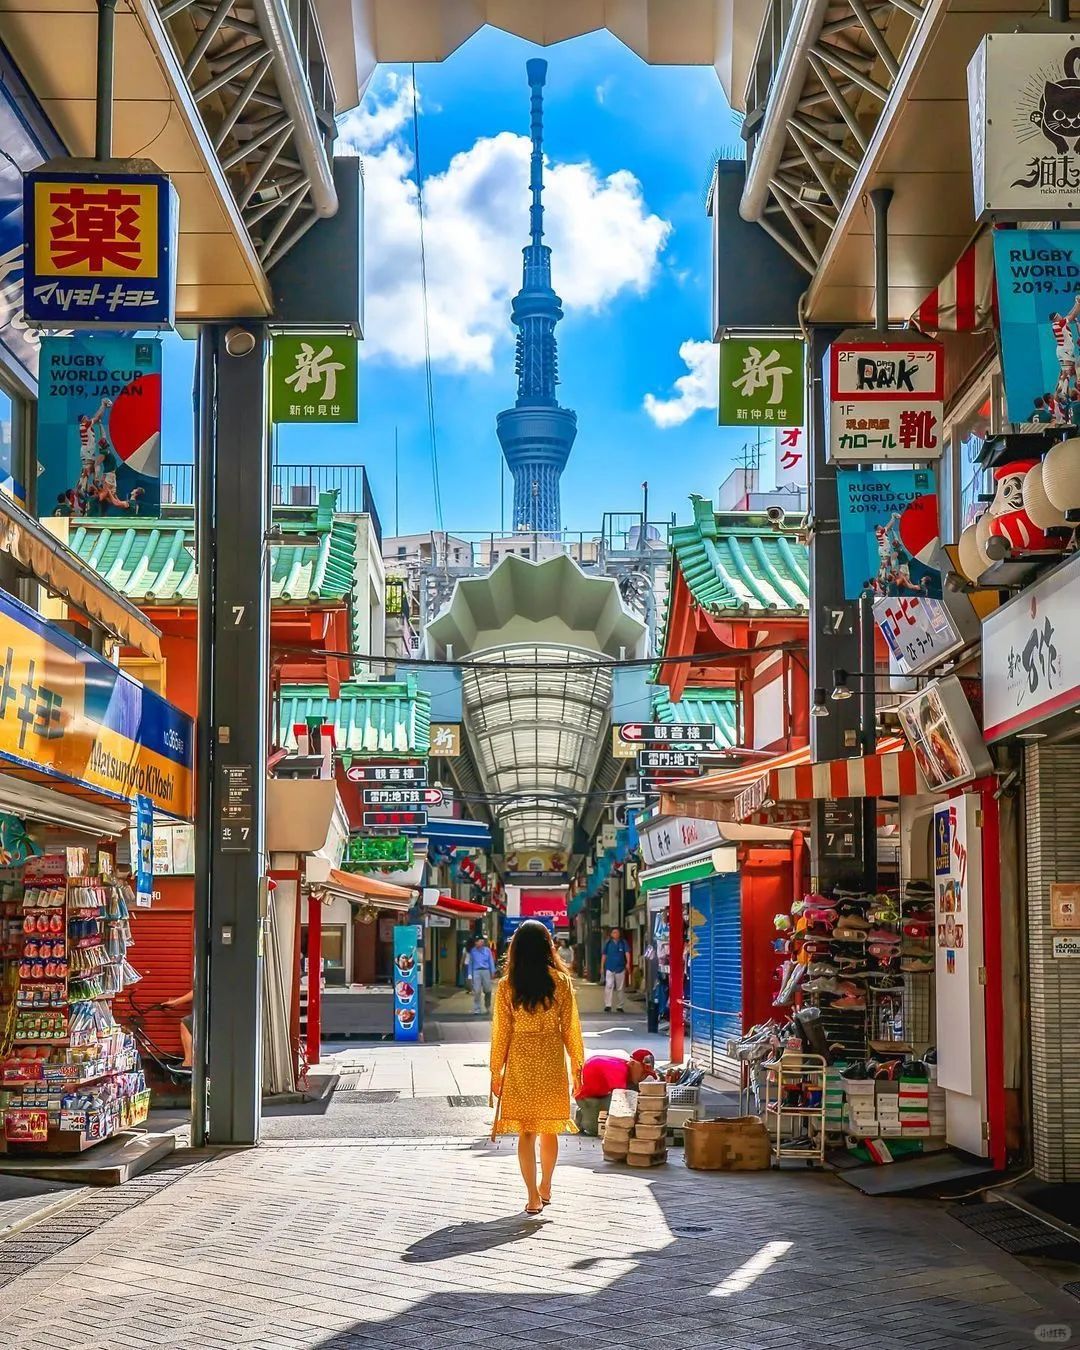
{"type": "Point", "coordinates": [652, 1132]}
{"type": "Point", "coordinates": [656, 1160]}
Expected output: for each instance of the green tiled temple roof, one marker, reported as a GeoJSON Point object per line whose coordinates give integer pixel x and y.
{"type": "Point", "coordinates": [700, 705]}
{"type": "Point", "coordinates": [150, 561]}
{"type": "Point", "coordinates": [372, 718]}
{"type": "Point", "coordinates": [739, 562]}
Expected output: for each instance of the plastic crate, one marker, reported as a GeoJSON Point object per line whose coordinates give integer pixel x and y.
{"type": "Point", "coordinates": [689, 1097]}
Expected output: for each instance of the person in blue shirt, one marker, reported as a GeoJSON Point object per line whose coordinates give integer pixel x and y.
{"type": "Point", "coordinates": [615, 969]}
{"type": "Point", "coordinates": [480, 968]}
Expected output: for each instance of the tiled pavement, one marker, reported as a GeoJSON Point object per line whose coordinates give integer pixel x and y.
{"type": "Point", "coordinates": [422, 1245]}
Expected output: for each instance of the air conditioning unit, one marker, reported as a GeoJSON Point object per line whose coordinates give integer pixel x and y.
{"type": "Point", "coordinates": [302, 494]}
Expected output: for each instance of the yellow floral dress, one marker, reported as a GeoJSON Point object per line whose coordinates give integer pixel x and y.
{"type": "Point", "coordinates": [534, 1047]}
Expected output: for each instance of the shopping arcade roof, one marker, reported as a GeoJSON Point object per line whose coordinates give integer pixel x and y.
{"type": "Point", "coordinates": [536, 732]}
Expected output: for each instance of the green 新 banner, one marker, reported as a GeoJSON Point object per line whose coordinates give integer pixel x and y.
{"type": "Point", "coordinates": [762, 382]}
{"type": "Point", "coordinates": [314, 377]}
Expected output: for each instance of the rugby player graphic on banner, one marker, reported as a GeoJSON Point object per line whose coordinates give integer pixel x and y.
{"type": "Point", "coordinates": [1038, 285]}
{"type": "Point", "coordinates": [99, 426]}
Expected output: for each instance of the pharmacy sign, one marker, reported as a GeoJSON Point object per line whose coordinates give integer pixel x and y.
{"type": "Point", "coordinates": [762, 382]}
{"type": "Point", "coordinates": [313, 378]}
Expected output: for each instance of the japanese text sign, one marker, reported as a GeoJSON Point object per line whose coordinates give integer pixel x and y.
{"type": "Point", "coordinates": [919, 632]}
{"type": "Point", "coordinates": [314, 378]}
{"type": "Point", "coordinates": [888, 532]}
{"type": "Point", "coordinates": [1037, 273]}
{"type": "Point", "coordinates": [1023, 96]}
{"type": "Point", "coordinates": [101, 250]}
{"type": "Point", "coordinates": [69, 714]}
{"type": "Point", "coordinates": [99, 426]}
{"type": "Point", "coordinates": [791, 460]}
{"type": "Point", "coordinates": [762, 382]}
{"type": "Point", "coordinates": [886, 402]}
{"type": "Point", "coordinates": [941, 729]}
{"type": "Point", "coordinates": [1031, 655]}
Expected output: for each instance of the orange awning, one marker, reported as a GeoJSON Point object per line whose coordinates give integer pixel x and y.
{"type": "Point", "coordinates": [369, 890]}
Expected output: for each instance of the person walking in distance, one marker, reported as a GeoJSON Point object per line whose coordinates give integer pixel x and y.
{"type": "Point", "coordinates": [534, 1031]}
{"type": "Point", "coordinates": [615, 969]}
{"type": "Point", "coordinates": [481, 971]}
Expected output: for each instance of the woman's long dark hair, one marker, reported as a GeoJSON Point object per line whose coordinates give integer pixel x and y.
{"type": "Point", "coordinates": [532, 967]}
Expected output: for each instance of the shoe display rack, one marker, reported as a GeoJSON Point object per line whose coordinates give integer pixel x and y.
{"type": "Point", "coordinates": [795, 1104]}
{"type": "Point", "coordinates": [865, 961]}
{"type": "Point", "coordinates": [69, 1075]}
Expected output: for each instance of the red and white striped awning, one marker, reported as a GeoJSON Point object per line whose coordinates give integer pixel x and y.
{"type": "Point", "coordinates": [965, 300]}
{"type": "Point", "coordinates": [891, 772]}
{"type": "Point", "coordinates": [791, 777]}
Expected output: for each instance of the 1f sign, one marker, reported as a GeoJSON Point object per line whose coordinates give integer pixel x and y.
{"type": "Point", "coordinates": [762, 382]}
{"type": "Point", "coordinates": [314, 378]}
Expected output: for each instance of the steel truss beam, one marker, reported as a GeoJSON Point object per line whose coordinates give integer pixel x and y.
{"type": "Point", "coordinates": [818, 100]}
{"type": "Point", "coordinates": [258, 74]}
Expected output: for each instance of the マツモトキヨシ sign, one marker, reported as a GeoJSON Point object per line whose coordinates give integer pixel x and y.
{"type": "Point", "coordinates": [100, 248]}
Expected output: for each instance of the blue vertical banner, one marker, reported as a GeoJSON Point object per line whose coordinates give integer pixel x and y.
{"type": "Point", "coordinates": [143, 859]}
{"type": "Point", "coordinates": [1038, 293]}
{"type": "Point", "coordinates": [99, 426]}
{"type": "Point", "coordinates": [408, 982]}
{"type": "Point", "coordinates": [889, 537]}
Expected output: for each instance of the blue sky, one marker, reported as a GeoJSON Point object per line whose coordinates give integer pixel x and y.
{"type": "Point", "coordinates": [629, 149]}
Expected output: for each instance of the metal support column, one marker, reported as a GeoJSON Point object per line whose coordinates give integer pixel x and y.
{"type": "Point", "coordinates": [836, 844]}
{"type": "Point", "coordinates": [234, 606]}
{"type": "Point", "coordinates": [106, 47]}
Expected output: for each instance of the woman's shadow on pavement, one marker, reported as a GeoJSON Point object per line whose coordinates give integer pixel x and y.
{"type": "Point", "coordinates": [465, 1239]}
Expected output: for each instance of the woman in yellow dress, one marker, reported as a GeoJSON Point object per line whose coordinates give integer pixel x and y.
{"type": "Point", "coordinates": [534, 1028]}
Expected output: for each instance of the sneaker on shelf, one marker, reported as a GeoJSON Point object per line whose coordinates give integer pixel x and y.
{"type": "Point", "coordinates": [855, 1004]}
{"type": "Point", "coordinates": [884, 935]}
{"type": "Point", "coordinates": [822, 985]}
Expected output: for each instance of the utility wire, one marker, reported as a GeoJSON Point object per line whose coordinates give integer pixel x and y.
{"type": "Point", "coordinates": [432, 434]}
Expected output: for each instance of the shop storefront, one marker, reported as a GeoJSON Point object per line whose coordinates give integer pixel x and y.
{"type": "Point", "coordinates": [1031, 664]}
{"type": "Point", "coordinates": [731, 880]}
{"type": "Point", "coordinates": [80, 744]}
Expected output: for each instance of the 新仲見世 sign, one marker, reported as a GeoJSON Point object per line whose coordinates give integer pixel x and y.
{"type": "Point", "coordinates": [762, 382]}
{"type": "Point", "coordinates": [100, 249]}
{"type": "Point", "coordinates": [885, 401]}
{"type": "Point", "coordinates": [99, 426]}
{"type": "Point", "coordinates": [314, 377]}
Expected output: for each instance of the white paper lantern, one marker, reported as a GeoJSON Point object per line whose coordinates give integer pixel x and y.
{"type": "Point", "coordinates": [1061, 476]}
{"type": "Point", "coordinates": [973, 561]}
{"type": "Point", "coordinates": [1038, 505]}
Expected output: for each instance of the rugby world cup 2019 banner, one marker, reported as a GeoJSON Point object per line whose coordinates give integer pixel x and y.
{"type": "Point", "coordinates": [1038, 291]}
{"type": "Point", "coordinates": [67, 713]}
{"type": "Point", "coordinates": [99, 426]}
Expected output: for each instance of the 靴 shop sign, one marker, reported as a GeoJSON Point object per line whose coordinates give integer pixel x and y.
{"type": "Point", "coordinates": [1031, 655]}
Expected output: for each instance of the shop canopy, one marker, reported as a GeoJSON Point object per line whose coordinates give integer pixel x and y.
{"type": "Point", "coordinates": [891, 772]}
{"type": "Point", "coordinates": [712, 861]}
{"type": "Point", "coordinates": [368, 890]}
{"type": "Point", "coordinates": [457, 909]}
{"type": "Point", "coordinates": [964, 301]}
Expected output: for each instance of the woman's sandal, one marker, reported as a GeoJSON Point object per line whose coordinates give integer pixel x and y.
{"type": "Point", "coordinates": [544, 1203]}
{"type": "Point", "coordinates": [534, 1213]}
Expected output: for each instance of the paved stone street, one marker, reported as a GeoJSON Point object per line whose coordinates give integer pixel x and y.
{"type": "Point", "coordinates": [415, 1245]}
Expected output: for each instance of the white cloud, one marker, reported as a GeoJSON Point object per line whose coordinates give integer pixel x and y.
{"type": "Point", "coordinates": [695, 390]}
{"type": "Point", "coordinates": [605, 239]}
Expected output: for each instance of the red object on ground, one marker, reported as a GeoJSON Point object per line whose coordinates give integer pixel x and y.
{"type": "Point", "coordinates": [603, 1074]}
{"type": "Point", "coordinates": [677, 976]}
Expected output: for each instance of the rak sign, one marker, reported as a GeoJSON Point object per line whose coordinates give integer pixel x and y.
{"type": "Point", "coordinates": [1024, 108]}
{"type": "Point", "coordinates": [886, 402]}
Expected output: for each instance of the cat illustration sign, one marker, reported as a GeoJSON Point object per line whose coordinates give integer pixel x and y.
{"type": "Point", "coordinates": [1024, 108]}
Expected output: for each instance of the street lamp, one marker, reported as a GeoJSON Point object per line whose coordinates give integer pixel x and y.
{"type": "Point", "coordinates": [819, 708]}
{"type": "Point", "coordinates": [841, 689]}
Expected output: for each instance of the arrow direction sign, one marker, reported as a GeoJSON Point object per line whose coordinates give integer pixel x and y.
{"type": "Point", "coordinates": [668, 733]}
{"type": "Point", "coordinates": [396, 796]}
{"type": "Point", "coordinates": [415, 774]}
{"type": "Point", "coordinates": [397, 820]}
{"type": "Point", "coordinates": [653, 761]}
